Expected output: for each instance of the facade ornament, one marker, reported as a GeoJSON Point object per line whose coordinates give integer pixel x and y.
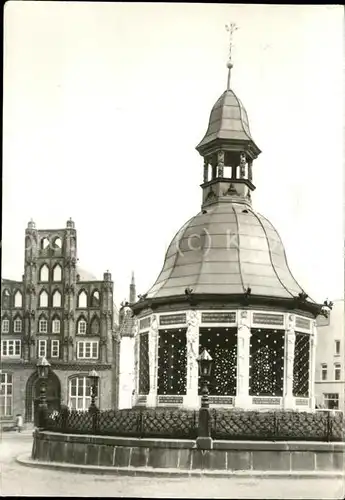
{"type": "Point", "coordinates": [103, 341]}
{"type": "Point", "coordinates": [243, 161]}
{"type": "Point", "coordinates": [244, 314]}
{"type": "Point", "coordinates": [211, 195]}
{"type": "Point", "coordinates": [231, 191]}
{"type": "Point", "coordinates": [220, 163]}
{"type": "Point", "coordinates": [249, 196]}
{"type": "Point", "coordinates": [70, 340]}
{"type": "Point", "coordinates": [32, 313]}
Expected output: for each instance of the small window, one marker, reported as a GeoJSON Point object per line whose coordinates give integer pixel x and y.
{"type": "Point", "coordinates": [337, 346]}
{"type": "Point", "coordinates": [43, 299]}
{"type": "Point", "coordinates": [87, 350]}
{"type": "Point", "coordinates": [56, 326]}
{"type": "Point", "coordinates": [55, 348]}
{"type": "Point", "coordinates": [324, 371]}
{"type": "Point", "coordinates": [337, 371]}
{"type": "Point", "coordinates": [82, 326]}
{"type": "Point", "coordinates": [57, 273]}
{"type": "Point", "coordinates": [57, 299]}
{"type": "Point", "coordinates": [82, 299]}
{"type": "Point", "coordinates": [44, 273]}
{"type": "Point", "coordinates": [43, 326]}
{"type": "Point", "coordinates": [11, 348]}
{"type": "Point", "coordinates": [331, 401]}
{"type": "Point", "coordinates": [18, 299]}
{"type": "Point", "coordinates": [42, 348]}
{"type": "Point", "coordinates": [5, 326]}
{"type": "Point", "coordinates": [17, 325]}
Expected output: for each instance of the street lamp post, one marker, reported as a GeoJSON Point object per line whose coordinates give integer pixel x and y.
{"type": "Point", "coordinates": [93, 377]}
{"type": "Point", "coordinates": [43, 367]}
{"type": "Point", "coordinates": [204, 439]}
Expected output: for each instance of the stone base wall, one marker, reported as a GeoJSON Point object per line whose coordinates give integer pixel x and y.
{"type": "Point", "coordinates": [184, 454]}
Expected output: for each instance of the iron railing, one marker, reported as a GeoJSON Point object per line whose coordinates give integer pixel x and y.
{"type": "Point", "coordinates": [183, 424]}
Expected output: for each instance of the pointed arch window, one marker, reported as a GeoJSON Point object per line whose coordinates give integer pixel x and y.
{"type": "Point", "coordinates": [56, 299]}
{"type": "Point", "coordinates": [43, 299]}
{"type": "Point", "coordinates": [95, 301]}
{"type": "Point", "coordinates": [44, 273]}
{"type": "Point", "coordinates": [18, 299]}
{"type": "Point", "coordinates": [81, 326]}
{"type": "Point", "coordinates": [6, 299]}
{"type": "Point", "coordinates": [44, 243]}
{"type": "Point", "coordinates": [43, 325]}
{"type": "Point", "coordinates": [57, 243]}
{"type": "Point", "coordinates": [57, 273]}
{"type": "Point", "coordinates": [17, 325]}
{"type": "Point", "coordinates": [82, 299]}
{"type": "Point", "coordinates": [94, 327]}
{"type": "Point", "coordinates": [56, 325]}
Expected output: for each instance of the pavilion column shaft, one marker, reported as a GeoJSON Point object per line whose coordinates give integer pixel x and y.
{"type": "Point", "coordinates": [290, 338]}
{"type": "Point", "coordinates": [243, 400]}
{"type": "Point", "coordinates": [312, 365]}
{"type": "Point", "coordinates": [192, 338]}
{"type": "Point", "coordinates": [153, 360]}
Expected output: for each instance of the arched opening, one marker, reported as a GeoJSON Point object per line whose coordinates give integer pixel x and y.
{"type": "Point", "coordinates": [95, 299]}
{"type": "Point", "coordinates": [43, 299]}
{"type": "Point", "coordinates": [44, 273]}
{"type": "Point", "coordinates": [6, 299]}
{"type": "Point", "coordinates": [44, 243]}
{"type": "Point", "coordinates": [94, 326]}
{"type": "Point", "coordinates": [57, 273]}
{"type": "Point", "coordinates": [18, 299]}
{"type": "Point", "coordinates": [57, 242]}
{"type": "Point", "coordinates": [32, 395]}
{"type": "Point", "coordinates": [56, 299]}
{"type": "Point", "coordinates": [82, 299]}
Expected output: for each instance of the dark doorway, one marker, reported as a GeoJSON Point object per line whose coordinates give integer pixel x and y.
{"type": "Point", "coordinates": [33, 396]}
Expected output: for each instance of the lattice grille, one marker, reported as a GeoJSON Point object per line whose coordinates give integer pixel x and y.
{"type": "Point", "coordinates": [144, 364]}
{"type": "Point", "coordinates": [221, 343]}
{"type": "Point", "coordinates": [301, 365]}
{"type": "Point", "coordinates": [266, 368]}
{"type": "Point", "coordinates": [172, 361]}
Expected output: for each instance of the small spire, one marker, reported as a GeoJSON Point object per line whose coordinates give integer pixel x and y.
{"type": "Point", "coordinates": [133, 280]}
{"type": "Point", "coordinates": [132, 290]}
{"type": "Point", "coordinates": [231, 28]}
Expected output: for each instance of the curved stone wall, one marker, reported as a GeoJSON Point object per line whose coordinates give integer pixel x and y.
{"type": "Point", "coordinates": [184, 454]}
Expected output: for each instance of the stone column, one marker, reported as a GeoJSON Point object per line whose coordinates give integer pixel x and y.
{"type": "Point", "coordinates": [193, 321]}
{"type": "Point", "coordinates": [153, 360]}
{"type": "Point", "coordinates": [205, 170]}
{"type": "Point", "coordinates": [220, 163]}
{"type": "Point", "coordinates": [250, 170]}
{"type": "Point", "coordinates": [312, 364]}
{"type": "Point", "coordinates": [243, 400]}
{"type": "Point", "coordinates": [136, 363]}
{"type": "Point", "coordinates": [289, 356]}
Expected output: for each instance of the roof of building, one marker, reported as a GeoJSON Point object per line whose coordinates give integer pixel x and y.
{"type": "Point", "coordinates": [224, 251]}
{"type": "Point", "coordinates": [228, 120]}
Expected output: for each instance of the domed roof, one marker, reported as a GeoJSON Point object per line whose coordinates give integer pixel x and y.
{"type": "Point", "coordinates": [224, 251]}
{"type": "Point", "coordinates": [228, 120]}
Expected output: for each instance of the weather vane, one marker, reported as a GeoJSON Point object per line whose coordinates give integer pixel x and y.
{"type": "Point", "coordinates": [231, 28]}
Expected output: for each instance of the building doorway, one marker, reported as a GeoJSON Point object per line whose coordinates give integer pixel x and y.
{"type": "Point", "coordinates": [33, 395]}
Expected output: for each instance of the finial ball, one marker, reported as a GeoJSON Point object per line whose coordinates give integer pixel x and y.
{"type": "Point", "coordinates": [229, 65]}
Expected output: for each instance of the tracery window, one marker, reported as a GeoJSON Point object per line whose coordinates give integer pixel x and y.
{"type": "Point", "coordinates": [301, 365]}
{"type": "Point", "coordinates": [144, 367]}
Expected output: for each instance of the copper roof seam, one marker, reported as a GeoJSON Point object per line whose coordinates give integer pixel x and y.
{"type": "Point", "coordinates": [241, 114]}
{"type": "Point", "coordinates": [165, 258]}
{"type": "Point", "coordinates": [184, 229]}
{"type": "Point", "coordinates": [270, 254]}
{"type": "Point", "coordinates": [238, 249]}
{"type": "Point", "coordinates": [286, 261]}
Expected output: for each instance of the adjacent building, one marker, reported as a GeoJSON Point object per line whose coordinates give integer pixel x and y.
{"type": "Point", "coordinates": [330, 354]}
{"type": "Point", "coordinates": [62, 312]}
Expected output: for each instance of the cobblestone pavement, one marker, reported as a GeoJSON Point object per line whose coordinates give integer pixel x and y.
{"type": "Point", "coordinates": [17, 480]}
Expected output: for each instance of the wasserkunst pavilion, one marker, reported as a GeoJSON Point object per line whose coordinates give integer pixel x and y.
{"type": "Point", "coordinates": [226, 286]}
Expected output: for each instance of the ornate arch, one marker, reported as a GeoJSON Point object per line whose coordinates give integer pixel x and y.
{"type": "Point", "coordinates": [32, 394]}
{"type": "Point", "coordinates": [95, 325]}
{"type": "Point", "coordinates": [55, 291]}
{"type": "Point", "coordinates": [44, 290]}
{"type": "Point", "coordinates": [80, 318]}
{"type": "Point", "coordinates": [57, 266]}
{"type": "Point", "coordinates": [6, 298]}
{"type": "Point", "coordinates": [81, 292]}
{"type": "Point", "coordinates": [94, 300]}
{"type": "Point", "coordinates": [15, 293]}
{"type": "Point", "coordinates": [43, 266]}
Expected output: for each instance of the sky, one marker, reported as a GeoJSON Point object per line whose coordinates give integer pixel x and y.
{"type": "Point", "coordinates": [104, 104]}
